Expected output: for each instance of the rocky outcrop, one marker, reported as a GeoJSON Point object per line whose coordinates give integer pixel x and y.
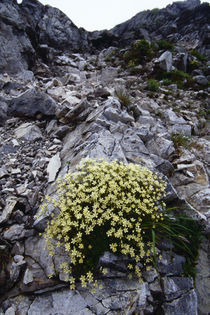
{"type": "Point", "coordinates": [184, 22]}
{"type": "Point", "coordinates": [31, 31]}
{"type": "Point", "coordinates": [70, 109]}
{"type": "Point", "coordinates": [53, 124]}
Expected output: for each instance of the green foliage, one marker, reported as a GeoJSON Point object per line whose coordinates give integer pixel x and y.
{"type": "Point", "coordinates": [180, 140]}
{"type": "Point", "coordinates": [167, 82]}
{"type": "Point", "coordinates": [198, 55]}
{"type": "Point", "coordinates": [179, 77]}
{"type": "Point", "coordinates": [103, 206]}
{"type": "Point", "coordinates": [139, 52]}
{"type": "Point", "coordinates": [184, 233]}
{"type": "Point", "coordinates": [123, 97]}
{"type": "Point", "coordinates": [164, 44]}
{"type": "Point", "coordinates": [153, 85]}
{"type": "Point", "coordinates": [194, 64]}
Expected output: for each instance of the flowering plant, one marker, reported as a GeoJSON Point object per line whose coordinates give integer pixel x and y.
{"type": "Point", "coordinates": [103, 206]}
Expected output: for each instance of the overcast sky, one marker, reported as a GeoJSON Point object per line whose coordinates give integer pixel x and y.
{"type": "Point", "coordinates": [103, 14]}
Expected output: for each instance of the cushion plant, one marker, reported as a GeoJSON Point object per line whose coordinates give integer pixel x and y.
{"type": "Point", "coordinates": [107, 206]}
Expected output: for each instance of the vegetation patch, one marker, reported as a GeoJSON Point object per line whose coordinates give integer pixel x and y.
{"type": "Point", "coordinates": [180, 140]}
{"type": "Point", "coordinates": [123, 97]}
{"type": "Point", "coordinates": [165, 45]}
{"type": "Point", "coordinates": [139, 52]}
{"type": "Point", "coordinates": [153, 85]}
{"type": "Point", "coordinates": [198, 55]}
{"type": "Point", "coordinates": [179, 77]}
{"type": "Point", "coordinates": [111, 206]}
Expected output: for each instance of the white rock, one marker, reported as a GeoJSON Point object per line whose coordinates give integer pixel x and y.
{"type": "Point", "coordinates": [28, 277]}
{"type": "Point", "coordinates": [165, 61]}
{"type": "Point", "coordinates": [53, 167]}
{"type": "Point", "coordinates": [3, 171]}
{"type": "Point", "coordinates": [10, 311]}
{"type": "Point", "coordinates": [10, 204]}
{"type": "Point", "coordinates": [28, 131]}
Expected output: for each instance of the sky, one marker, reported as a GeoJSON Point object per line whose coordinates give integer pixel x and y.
{"type": "Point", "coordinates": [95, 15]}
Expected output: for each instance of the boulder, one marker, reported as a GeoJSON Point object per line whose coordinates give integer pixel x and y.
{"type": "Point", "coordinates": [165, 61]}
{"type": "Point", "coordinates": [201, 80]}
{"type": "Point", "coordinates": [32, 104]}
{"type": "Point", "coordinates": [28, 131]}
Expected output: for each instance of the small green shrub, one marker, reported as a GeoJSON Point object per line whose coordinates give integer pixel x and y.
{"type": "Point", "coordinates": [194, 64]}
{"type": "Point", "coordinates": [153, 85]}
{"type": "Point", "coordinates": [180, 140]}
{"type": "Point", "coordinates": [164, 44]}
{"type": "Point", "coordinates": [123, 97]}
{"type": "Point", "coordinates": [139, 52]}
{"type": "Point", "coordinates": [167, 82]}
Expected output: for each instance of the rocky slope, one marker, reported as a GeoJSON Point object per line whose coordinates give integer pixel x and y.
{"type": "Point", "coordinates": [60, 105]}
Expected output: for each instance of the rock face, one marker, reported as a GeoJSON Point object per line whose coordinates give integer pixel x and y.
{"type": "Point", "coordinates": [16, 51]}
{"type": "Point", "coordinates": [38, 26]}
{"type": "Point", "coordinates": [182, 22]}
{"type": "Point", "coordinates": [43, 31]}
{"type": "Point", "coordinates": [68, 109]}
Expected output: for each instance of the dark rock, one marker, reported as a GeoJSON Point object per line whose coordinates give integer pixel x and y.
{"type": "Point", "coordinates": [3, 110]}
{"type": "Point", "coordinates": [57, 30]}
{"type": "Point", "coordinates": [101, 92]}
{"type": "Point", "coordinates": [16, 50]}
{"type": "Point", "coordinates": [186, 304]}
{"type": "Point", "coordinates": [61, 131]}
{"type": "Point", "coordinates": [201, 80]}
{"type": "Point", "coordinates": [75, 113]}
{"type": "Point", "coordinates": [171, 265]}
{"type": "Point", "coordinates": [186, 19]}
{"type": "Point", "coordinates": [163, 166]}
{"type": "Point", "coordinates": [32, 103]}
{"type": "Point", "coordinates": [175, 287]}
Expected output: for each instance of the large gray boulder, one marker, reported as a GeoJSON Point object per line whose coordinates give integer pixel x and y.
{"type": "Point", "coordinates": [32, 104]}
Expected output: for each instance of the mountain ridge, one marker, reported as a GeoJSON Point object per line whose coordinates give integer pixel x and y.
{"type": "Point", "coordinates": [31, 30]}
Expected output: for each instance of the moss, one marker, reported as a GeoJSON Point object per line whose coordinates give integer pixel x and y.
{"type": "Point", "coordinates": [167, 82]}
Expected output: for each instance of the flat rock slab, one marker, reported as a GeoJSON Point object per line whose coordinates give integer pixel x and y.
{"type": "Point", "coordinates": [28, 131]}
{"type": "Point", "coordinates": [62, 302]}
{"type": "Point", "coordinates": [53, 167]}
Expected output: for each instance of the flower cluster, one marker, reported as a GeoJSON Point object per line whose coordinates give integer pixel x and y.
{"type": "Point", "coordinates": [104, 206]}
